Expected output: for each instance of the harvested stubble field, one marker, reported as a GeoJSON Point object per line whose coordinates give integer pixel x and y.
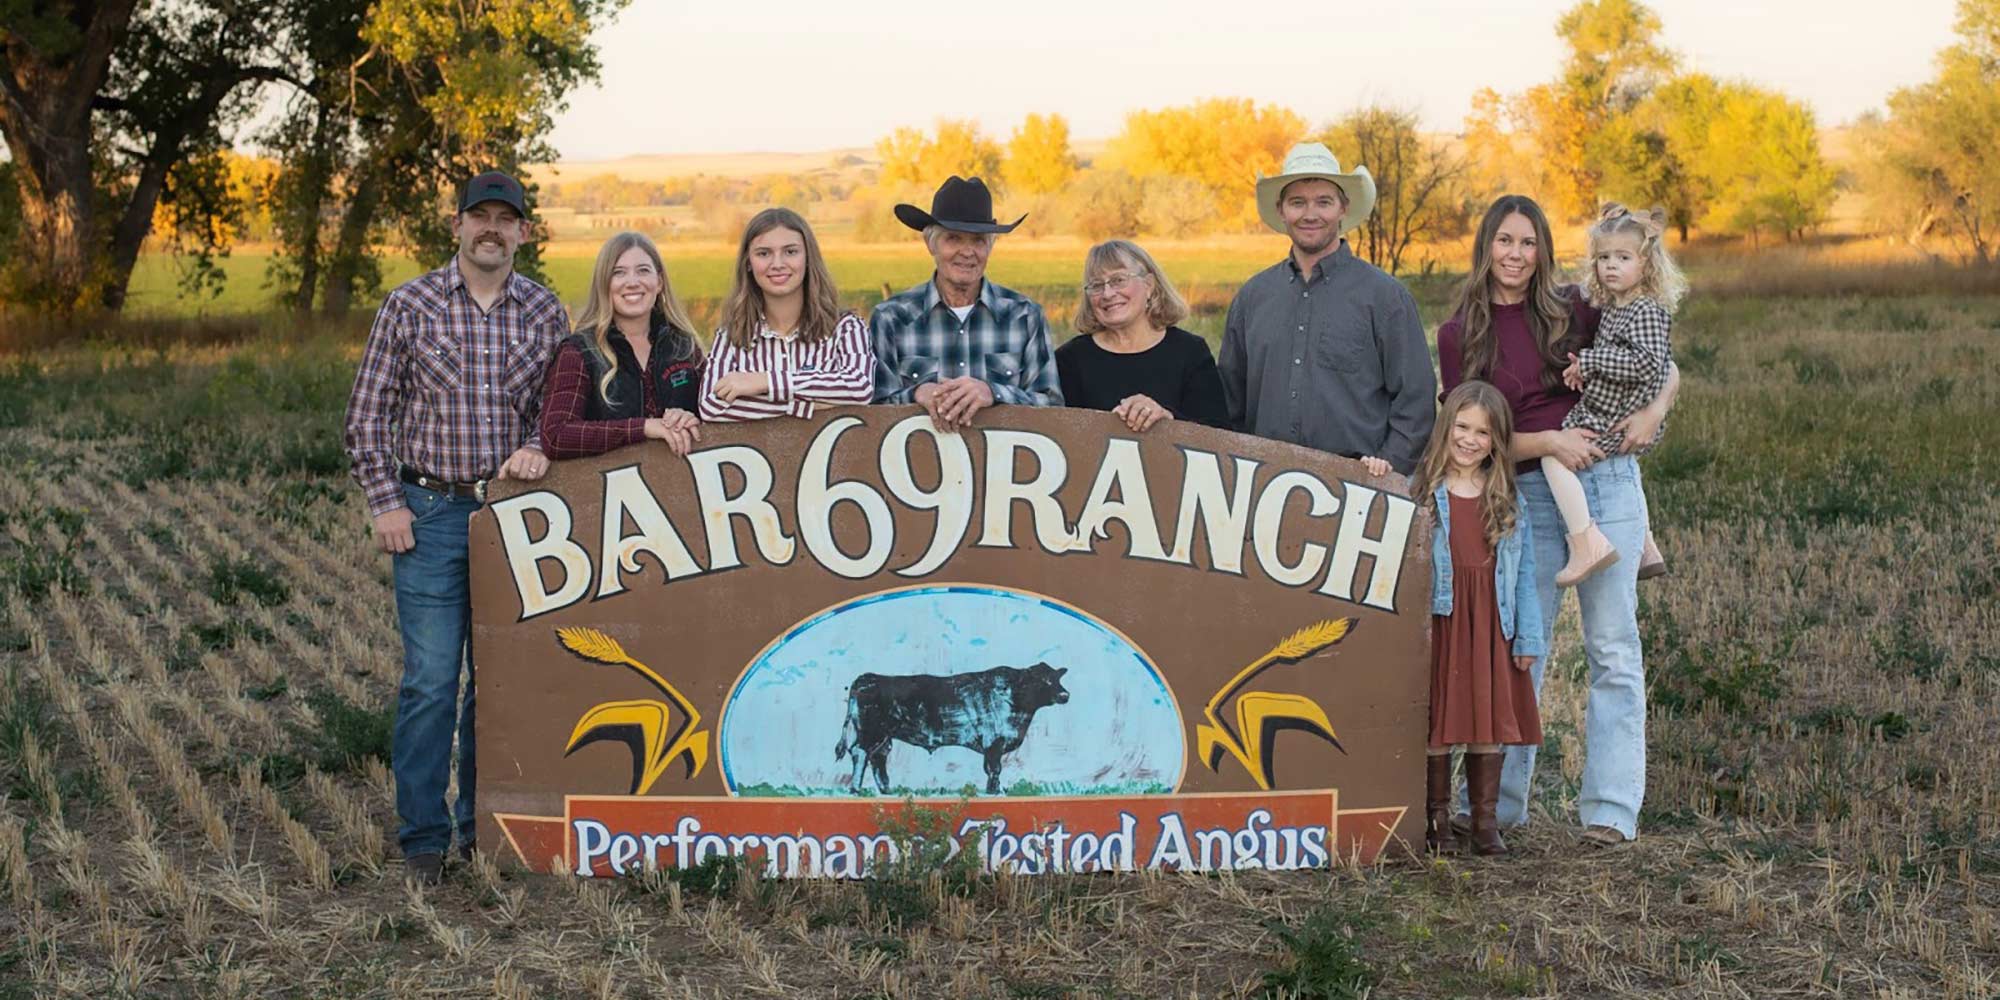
{"type": "Point", "coordinates": [200, 660]}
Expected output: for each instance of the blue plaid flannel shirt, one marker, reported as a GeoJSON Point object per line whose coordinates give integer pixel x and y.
{"type": "Point", "coordinates": [1003, 342]}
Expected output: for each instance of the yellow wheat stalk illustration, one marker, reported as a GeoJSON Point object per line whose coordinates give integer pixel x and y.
{"type": "Point", "coordinates": [1262, 715]}
{"type": "Point", "coordinates": [640, 724]}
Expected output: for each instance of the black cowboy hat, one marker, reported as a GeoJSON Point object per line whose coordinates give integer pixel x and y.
{"type": "Point", "coordinates": [961, 204]}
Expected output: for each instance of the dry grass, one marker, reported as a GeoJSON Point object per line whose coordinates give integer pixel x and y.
{"type": "Point", "coordinates": [190, 805]}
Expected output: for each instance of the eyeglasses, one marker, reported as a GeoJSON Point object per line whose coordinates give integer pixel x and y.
{"type": "Point", "coordinates": [1115, 283]}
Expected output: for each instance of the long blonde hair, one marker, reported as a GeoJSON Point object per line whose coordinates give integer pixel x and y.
{"type": "Point", "coordinates": [1496, 493]}
{"type": "Point", "coordinates": [1548, 311]}
{"type": "Point", "coordinates": [743, 310]}
{"type": "Point", "coordinates": [598, 319]}
{"type": "Point", "coordinates": [1662, 280]}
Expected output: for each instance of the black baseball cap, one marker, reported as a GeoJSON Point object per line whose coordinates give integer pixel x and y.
{"type": "Point", "coordinates": [494, 186]}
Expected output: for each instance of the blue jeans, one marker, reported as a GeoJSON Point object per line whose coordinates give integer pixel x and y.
{"type": "Point", "coordinates": [434, 610]}
{"type": "Point", "coordinates": [1614, 764]}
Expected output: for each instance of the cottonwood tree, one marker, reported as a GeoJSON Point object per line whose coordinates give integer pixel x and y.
{"type": "Point", "coordinates": [407, 98]}
{"type": "Point", "coordinates": [1658, 153]}
{"type": "Point", "coordinates": [1934, 173]}
{"type": "Point", "coordinates": [1550, 140]}
{"type": "Point", "coordinates": [1762, 161]}
{"type": "Point", "coordinates": [913, 160]}
{"type": "Point", "coordinates": [107, 108]}
{"type": "Point", "coordinates": [1039, 159]}
{"type": "Point", "coordinates": [1221, 143]}
{"type": "Point", "coordinates": [1418, 193]}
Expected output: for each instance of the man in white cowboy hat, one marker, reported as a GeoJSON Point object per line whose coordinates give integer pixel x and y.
{"type": "Point", "coordinates": [1322, 348]}
{"type": "Point", "coordinates": [959, 343]}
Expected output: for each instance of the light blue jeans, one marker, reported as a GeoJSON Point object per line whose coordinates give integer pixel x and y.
{"type": "Point", "coordinates": [434, 610]}
{"type": "Point", "coordinates": [1614, 763]}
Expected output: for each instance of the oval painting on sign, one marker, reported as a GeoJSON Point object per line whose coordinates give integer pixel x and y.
{"type": "Point", "coordinates": [941, 690]}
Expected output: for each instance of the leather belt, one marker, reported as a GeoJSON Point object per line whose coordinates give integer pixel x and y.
{"type": "Point", "coordinates": [470, 491]}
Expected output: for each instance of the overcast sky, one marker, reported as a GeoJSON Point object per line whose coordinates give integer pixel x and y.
{"type": "Point", "coordinates": [791, 75]}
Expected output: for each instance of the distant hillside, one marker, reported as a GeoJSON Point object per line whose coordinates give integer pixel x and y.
{"type": "Point", "coordinates": [663, 166]}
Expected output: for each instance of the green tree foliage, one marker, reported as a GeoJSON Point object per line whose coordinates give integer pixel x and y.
{"type": "Point", "coordinates": [108, 107]}
{"type": "Point", "coordinates": [1615, 58]}
{"type": "Point", "coordinates": [1039, 160]}
{"type": "Point", "coordinates": [1224, 144]}
{"type": "Point", "coordinates": [409, 98]}
{"type": "Point", "coordinates": [1762, 162]}
{"type": "Point", "coordinates": [1932, 172]}
{"type": "Point", "coordinates": [1551, 141]}
{"type": "Point", "coordinates": [1418, 191]}
{"type": "Point", "coordinates": [1729, 157]}
{"type": "Point", "coordinates": [1654, 154]}
{"type": "Point", "coordinates": [120, 114]}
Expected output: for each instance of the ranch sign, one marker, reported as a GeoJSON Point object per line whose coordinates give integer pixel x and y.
{"type": "Point", "coordinates": [1184, 650]}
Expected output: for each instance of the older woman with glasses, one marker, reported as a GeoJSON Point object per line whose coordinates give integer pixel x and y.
{"type": "Point", "coordinates": [1129, 357]}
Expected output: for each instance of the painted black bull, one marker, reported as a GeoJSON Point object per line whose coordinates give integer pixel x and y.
{"type": "Point", "coordinates": [987, 712]}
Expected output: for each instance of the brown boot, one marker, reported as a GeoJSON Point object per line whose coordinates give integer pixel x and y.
{"type": "Point", "coordinates": [1482, 788]}
{"type": "Point", "coordinates": [1438, 834]}
{"type": "Point", "coordinates": [1589, 551]}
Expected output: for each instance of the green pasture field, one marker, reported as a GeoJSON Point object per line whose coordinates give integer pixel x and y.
{"type": "Point", "coordinates": [700, 271]}
{"type": "Point", "coordinates": [199, 659]}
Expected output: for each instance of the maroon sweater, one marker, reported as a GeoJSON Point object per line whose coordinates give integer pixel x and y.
{"type": "Point", "coordinates": [1517, 369]}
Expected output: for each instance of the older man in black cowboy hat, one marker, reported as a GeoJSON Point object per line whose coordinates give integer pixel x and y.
{"type": "Point", "coordinates": [958, 343]}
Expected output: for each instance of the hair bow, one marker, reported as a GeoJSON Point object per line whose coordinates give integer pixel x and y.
{"type": "Point", "coordinates": [1652, 222]}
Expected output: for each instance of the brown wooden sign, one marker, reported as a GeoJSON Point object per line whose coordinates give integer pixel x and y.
{"type": "Point", "coordinates": [1187, 649]}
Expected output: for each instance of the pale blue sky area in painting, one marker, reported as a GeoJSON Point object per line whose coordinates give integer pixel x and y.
{"type": "Point", "coordinates": [1118, 731]}
{"type": "Point", "coordinates": [790, 75]}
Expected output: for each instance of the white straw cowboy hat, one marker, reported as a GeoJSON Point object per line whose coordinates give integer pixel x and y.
{"type": "Point", "coordinates": [1309, 160]}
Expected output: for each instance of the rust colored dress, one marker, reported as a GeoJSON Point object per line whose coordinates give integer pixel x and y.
{"type": "Point", "coordinates": [1476, 694]}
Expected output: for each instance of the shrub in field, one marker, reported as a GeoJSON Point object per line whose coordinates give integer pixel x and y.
{"type": "Point", "coordinates": [1854, 490]}
{"type": "Point", "coordinates": [232, 579]}
{"type": "Point", "coordinates": [1812, 367]}
{"type": "Point", "coordinates": [902, 889]}
{"type": "Point", "coordinates": [716, 876]}
{"type": "Point", "coordinates": [1324, 960]}
{"type": "Point", "coordinates": [348, 734]}
{"type": "Point", "coordinates": [1687, 673]}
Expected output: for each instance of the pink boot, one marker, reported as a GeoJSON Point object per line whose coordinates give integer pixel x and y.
{"type": "Point", "coordinates": [1651, 562]}
{"type": "Point", "coordinates": [1589, 551]}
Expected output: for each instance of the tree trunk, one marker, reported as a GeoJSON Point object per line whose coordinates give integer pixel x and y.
{"type": "Point", "coordinates": [135, 223]}
{"type": "Point", "coordinates": [312, 195]}
{"type": "Point", "coordinates": [344, 268]}
{"type": "Point", "coordinates": [57, 221]}
{"type": "Point", "coordinates": [45, 102]}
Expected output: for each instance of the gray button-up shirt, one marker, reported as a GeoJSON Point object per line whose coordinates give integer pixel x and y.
{"type": "Point", "coordinates": [1334, 360]}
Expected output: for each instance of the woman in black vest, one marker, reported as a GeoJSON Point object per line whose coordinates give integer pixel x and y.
{"type": "Point", "coordinates": [632, 369]}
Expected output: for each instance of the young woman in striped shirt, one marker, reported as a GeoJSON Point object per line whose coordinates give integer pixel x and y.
{"type": "Point", "coordinates": [785, 348]}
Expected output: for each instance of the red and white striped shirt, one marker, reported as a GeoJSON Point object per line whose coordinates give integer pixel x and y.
{"type": "Point", "coordinates": [836, 371]}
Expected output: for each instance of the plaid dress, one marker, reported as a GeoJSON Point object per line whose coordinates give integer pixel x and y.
{"type": "Point", "coordinates": [1003, 341]}
{"type": "Point", "coordinates": [1625, 369]}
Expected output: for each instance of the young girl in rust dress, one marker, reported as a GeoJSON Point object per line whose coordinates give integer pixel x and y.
{"type": "Point", "coordinates": [1486, 623]}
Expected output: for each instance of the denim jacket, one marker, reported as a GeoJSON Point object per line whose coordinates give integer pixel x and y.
{"type": "Point", "coordinates": [1513, 579]}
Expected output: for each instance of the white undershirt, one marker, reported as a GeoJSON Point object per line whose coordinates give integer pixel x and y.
{"type": "Point", "coordinates": [961, 312]}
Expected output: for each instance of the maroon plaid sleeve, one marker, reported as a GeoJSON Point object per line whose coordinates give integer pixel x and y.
{"type": "Point", "coordinates": [565, 433]}
{"type": "Point", "coordinates": [378, 393]}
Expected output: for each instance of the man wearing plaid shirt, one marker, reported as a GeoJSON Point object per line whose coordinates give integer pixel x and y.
{"type": "Point", "coordinates": [958, 343]}
{"type": "Point", "coordinates": [445, 400]}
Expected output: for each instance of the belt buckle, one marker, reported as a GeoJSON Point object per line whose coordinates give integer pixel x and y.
{"type": "Point", "coordinates": [479, 490]}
